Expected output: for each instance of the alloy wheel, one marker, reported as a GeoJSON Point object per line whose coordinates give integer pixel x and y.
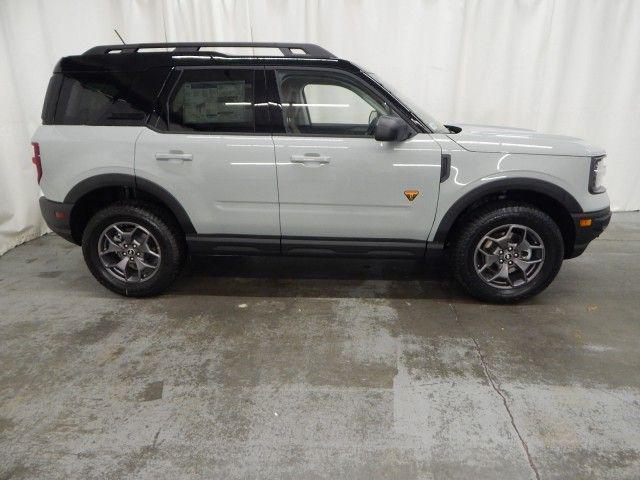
{"type": "Point", "coordinates": [509, 256]}
{"type": "Point", "coordinates": [129, 252]}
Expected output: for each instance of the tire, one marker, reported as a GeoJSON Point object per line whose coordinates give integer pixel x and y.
{"type": "Point", "coordinates": [163, 250]}
{"type": "Point", "coordinates": [533, 270]}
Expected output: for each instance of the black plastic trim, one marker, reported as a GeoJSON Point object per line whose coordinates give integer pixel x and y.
{"type": "Point", "coordinates": [497, 186]}
{"type": "Point", "coordinates": [584, 235]}
{"type": "Point", "coordinates": [445, 167]}
{"type": "Point", "coordinates": [90, 184]}
{"type": "Point", "coordinates": [61, 227]}
{"type": "Point", "coordinates": [353, 247]}
{"type": "Point", "coordinates": [136, 184]}
{"type": "Point", "coordinates": [221, 244]}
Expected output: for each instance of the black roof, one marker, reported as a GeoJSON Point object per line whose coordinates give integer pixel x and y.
{"type": "Point", "coordinates": [141, 56]}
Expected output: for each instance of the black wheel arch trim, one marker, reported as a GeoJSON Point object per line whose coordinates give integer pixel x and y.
{"type": "Point", "coordinates": [136, 184]}
{"type": "Point", "coordinates": [519, 184]}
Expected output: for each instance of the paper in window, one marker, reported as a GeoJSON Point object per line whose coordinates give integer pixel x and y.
{"type": "Point", "coordinates": [216, 102]}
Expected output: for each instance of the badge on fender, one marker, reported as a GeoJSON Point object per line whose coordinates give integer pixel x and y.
{"type": "Point", "coordinates": [411, 194]}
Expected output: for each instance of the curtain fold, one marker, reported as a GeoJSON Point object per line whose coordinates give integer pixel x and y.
{"type": "Point", "coordinates": [565, 66]}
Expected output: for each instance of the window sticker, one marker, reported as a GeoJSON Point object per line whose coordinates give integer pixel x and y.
{"type": "Point", "coordinates": [216, 102]}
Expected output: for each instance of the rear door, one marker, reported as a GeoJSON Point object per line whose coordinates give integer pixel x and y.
{"type": "Point", "coordinates": [213, 152]}
{"type": "Point", "coordinates": [341, 191]}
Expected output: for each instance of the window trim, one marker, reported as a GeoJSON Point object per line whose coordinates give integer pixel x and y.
{"type": "Point", "coordinates": [276, 111]}
{"type": "Point", "coordinates": [168, 92]}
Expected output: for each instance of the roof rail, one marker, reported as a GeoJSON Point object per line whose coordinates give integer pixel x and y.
{"type": "Point", "coordinates": [287, 49]}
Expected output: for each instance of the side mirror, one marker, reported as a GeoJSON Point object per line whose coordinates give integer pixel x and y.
{"type": "Point", "coordinates": [390, 128]}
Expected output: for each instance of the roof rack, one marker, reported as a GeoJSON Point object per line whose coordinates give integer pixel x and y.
{"type": "Point", "coordinates": [287, 49]}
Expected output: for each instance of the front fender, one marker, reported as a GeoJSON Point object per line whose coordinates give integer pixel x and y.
{"type": "Point", "coordinates": [474, 191]}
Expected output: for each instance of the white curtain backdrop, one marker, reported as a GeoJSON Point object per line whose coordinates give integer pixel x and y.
{"type": "Point", "coordinates": [562, 66]}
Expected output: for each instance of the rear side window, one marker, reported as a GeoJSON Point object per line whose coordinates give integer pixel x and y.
{"type": "Point", "coordinates": [213, 100]}
{"type": "Point", "coordinates": [108, 98]}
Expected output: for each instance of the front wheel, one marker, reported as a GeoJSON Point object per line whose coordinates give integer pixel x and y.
{"type": "Point", "coordinates": [507, 253]}
{"type": "Point", "coordinates": [133, 249]}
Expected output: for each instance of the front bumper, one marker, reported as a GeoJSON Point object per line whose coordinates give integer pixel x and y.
{"type": "Point", "coordinates": [58, 217]}
{"type": "Point", "coordinates": [584, 234]}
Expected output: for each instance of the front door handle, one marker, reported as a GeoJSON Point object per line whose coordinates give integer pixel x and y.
{"type": "Point", "coordinates": [310, 159]}
{"type": "Point", "coordinates": [174, 155]}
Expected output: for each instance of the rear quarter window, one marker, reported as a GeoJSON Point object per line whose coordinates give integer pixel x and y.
{"type": "Point", "coordinates": [108, 98]}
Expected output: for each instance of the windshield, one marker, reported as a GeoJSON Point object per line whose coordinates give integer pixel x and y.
{"type": "Point", "coordinates": [434, 125]}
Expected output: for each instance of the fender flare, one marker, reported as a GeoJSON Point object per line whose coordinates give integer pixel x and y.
{"type": "Point", "coordinates": [136, 184]}
{"type": "Point", "coordinates": [520, 184]}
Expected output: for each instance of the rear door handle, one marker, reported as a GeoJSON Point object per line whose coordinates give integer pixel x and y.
{"type": "Point", "coordinates": [310, 159]}
{"type": "Point", "coordinates": [174, 155]}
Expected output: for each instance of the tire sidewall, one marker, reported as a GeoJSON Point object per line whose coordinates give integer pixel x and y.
{"type": "Point", "coordinates": [538, 222]}
{"type": "Point", "coordinates": [162, 234]}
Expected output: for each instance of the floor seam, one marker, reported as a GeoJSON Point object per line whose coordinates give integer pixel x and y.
{"type": "Point", "coordinates": [497, 389]}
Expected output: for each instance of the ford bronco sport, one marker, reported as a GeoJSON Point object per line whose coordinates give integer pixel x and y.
{"type": "Point", "coordinates": [149, 152]}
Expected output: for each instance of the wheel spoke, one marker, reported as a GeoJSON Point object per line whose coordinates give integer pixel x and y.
{"type": "Point", "coordinates": [531, 262]}
{"type": "Point", "coordinates": [142, 264]}
{"type": "Point", "coordinates": [151, 252]}
{"type": "Point", "coordinates": [522, 265]}
{"type": "Point", "coordinates": [139, 269]}
{"type": "Point", "coordinates": [490, 260]}
{"type": "Point", "coordinates": [503, 273]}
{"type": "Point", "coordinates": [503, 241]}
{"type": "Point", "coordinates": [112, 247]}
{"type": "Point", "coordinates": [487, 249]}
{"type": "Point", "coordinates": [144, 246]}
{"type": "Point", "coordinates": [525, 245]}
{"type": "Point", "coordinates": [122, 264]}
{"type": "Point", "coordinates": [143, 240]}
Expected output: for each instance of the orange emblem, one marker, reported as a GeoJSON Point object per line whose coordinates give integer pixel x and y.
{"type": "Point", "coordinates": [411, 194]}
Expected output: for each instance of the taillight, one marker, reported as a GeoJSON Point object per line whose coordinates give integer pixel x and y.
{"type": "Point", "coordinates": [37, 161]}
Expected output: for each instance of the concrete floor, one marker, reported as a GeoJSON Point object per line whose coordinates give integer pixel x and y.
{"type": "Point", "coordinates": [315, 368]}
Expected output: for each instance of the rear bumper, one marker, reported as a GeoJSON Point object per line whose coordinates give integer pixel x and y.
{"type": "Point", "coordinates": [584, 235]}
{"type": "Point", "coordinates": [58, 217]}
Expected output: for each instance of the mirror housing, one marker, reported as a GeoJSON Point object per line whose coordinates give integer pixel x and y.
{"type": "Point", "coordinates": [390, 128]}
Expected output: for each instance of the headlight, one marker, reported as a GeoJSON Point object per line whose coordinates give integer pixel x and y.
{"type": "Point", "coordinates": [598, 169]}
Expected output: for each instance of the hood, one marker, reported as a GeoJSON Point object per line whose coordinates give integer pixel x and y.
{"type": "Point", "coordinates": [492, 139]}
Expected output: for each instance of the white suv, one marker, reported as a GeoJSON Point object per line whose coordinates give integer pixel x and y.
{"type": "Point", "coordinates": [149, 152]}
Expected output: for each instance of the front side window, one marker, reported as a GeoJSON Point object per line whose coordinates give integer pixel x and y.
{"type": "Point", "coordinates": [326, 103]}
{"type": "Point", "coordinates": [216, 100]}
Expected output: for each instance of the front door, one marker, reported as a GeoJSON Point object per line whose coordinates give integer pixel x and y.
{"type": "Point", "coordinates": [340, 190]}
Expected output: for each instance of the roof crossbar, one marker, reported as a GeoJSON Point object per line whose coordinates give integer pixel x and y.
{"type": "Point", "coordinates": [287, 49]}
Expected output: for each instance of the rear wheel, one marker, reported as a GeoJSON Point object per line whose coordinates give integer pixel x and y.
{"type": "Point", "coordinates": [506, 253]}
{"type": "Point", "coordinates": [133, 249]}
